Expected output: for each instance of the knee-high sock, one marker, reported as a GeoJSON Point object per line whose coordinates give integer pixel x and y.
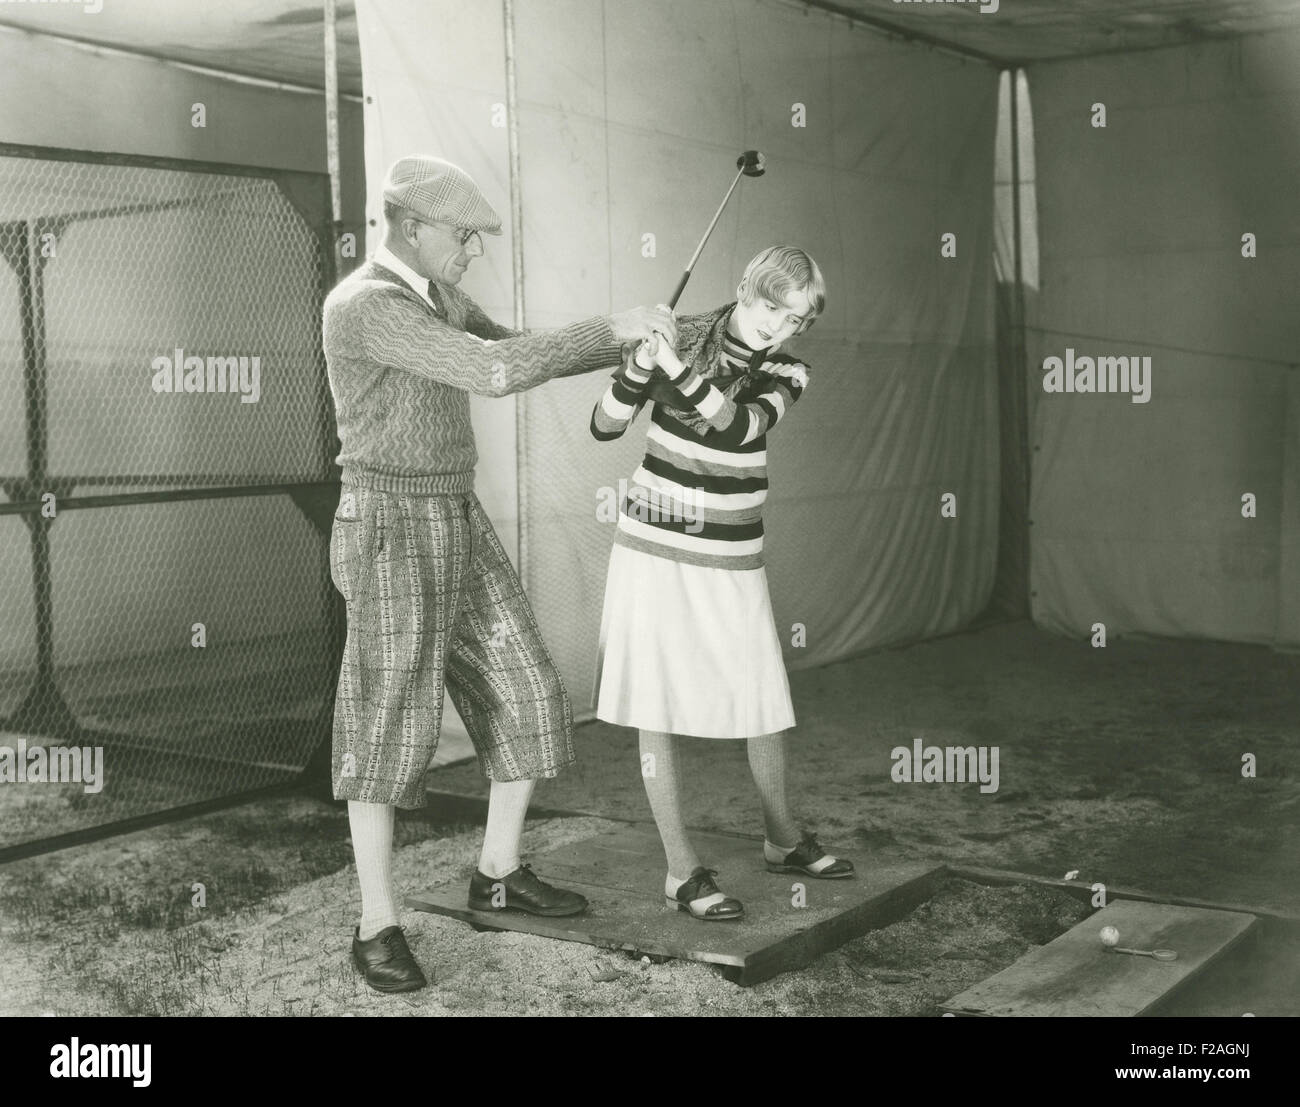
{"type": "Point", "coordinates": [767, 763]}
{"type": "Point", "coordinates": [372, 844]}
{"type": "Point", "coordinates": [663, 787]}
{"type": "Point", "coordinates": [507, 809]}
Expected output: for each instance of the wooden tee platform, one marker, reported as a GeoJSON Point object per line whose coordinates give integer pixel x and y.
{"type": "Point", "coordinates": [1076, 975]}
{"type": "Point", "coordinates": [621, 872]}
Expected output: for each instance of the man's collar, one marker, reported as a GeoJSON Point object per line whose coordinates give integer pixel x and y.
{"type": "Point", "coordinates": [385, 257]}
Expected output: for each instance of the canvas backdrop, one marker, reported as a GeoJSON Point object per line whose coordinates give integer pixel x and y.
{"type": "Point", "coordinates": [1136, 509]}
{"type": "Point", "coordinates": [630, 119]}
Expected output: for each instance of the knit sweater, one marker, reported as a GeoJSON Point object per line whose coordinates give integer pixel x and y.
{"type": "Point", "coordinates": [401, 376]}
{"type": "Point", "coordinates": [697, 497]}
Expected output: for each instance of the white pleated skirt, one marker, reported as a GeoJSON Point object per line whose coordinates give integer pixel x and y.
{"type": "Point", "coordinates": [686, 649]}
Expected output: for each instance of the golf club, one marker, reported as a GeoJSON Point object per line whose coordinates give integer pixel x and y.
{"type": "Point", "coordinates": [749, 164]}
{"type": "Point", "coordinates": [1158, 954]}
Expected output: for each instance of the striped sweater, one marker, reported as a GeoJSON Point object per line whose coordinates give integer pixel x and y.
{"type": "Point", "coordinates": [401, 375]}
{"type": "Point", "coordinates": [697, 497]}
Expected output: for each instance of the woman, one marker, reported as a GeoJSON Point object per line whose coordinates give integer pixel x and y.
{"type": "Point", "coordinates": [688, 644]}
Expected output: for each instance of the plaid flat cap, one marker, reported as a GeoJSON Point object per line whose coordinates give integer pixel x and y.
{"type": "Point", "coordinates": [440, 191]}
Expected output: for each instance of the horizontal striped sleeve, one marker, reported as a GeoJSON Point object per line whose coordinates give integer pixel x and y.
{"type": "Point", "coordinates": [743, 423]}
{"type": "Point", "coordinates": [622, 400]}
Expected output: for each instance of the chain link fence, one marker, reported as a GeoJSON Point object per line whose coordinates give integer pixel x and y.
{"type": "Point", "coordinates": [168, 629]}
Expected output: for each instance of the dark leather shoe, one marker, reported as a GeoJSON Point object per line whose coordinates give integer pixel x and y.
{"type": "Point", "coordinates": [807, 854]}
{"type": "Point", "coordinates": [386, 961]}
{"type": "Point", "coordinates": [523, 891]}
{"type": "Point", "coordinates": [695, 895]}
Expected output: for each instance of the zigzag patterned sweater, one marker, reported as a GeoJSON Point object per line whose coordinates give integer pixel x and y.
{"type": "Point", "coordinates": [401, 376]}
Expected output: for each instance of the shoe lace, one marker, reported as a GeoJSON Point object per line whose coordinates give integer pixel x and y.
{"type": "Point", "coordinates": [529, 877]}
{"type": "Point", "coordinates": [703, 880]}
{"type": "Point", "coordinates": [811, 847]}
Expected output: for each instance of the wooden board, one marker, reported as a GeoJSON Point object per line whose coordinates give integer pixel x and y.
{"type": "Point", "coordinates": [1076, 975]}
{"type": "Point", "coordinates": [621, 872]}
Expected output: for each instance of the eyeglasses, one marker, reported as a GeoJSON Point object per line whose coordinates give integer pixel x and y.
{"type": "Point", "coordinates": [463, 236]}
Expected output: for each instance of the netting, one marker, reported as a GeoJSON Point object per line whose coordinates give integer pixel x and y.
{"type": "Point", "coordinates": [165, 446]}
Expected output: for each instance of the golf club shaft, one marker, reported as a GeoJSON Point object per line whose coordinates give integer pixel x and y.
{"type": "Point", "coordinates": [686, 274]}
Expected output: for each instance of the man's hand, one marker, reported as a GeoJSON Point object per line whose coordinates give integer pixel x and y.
{"type": "Point", "coordinates": [641, 323]}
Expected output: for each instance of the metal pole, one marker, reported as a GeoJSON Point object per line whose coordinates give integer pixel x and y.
{"type": "Point", "coordinates": [1018, 322]}
{"type": "Point", "coordinates": [36, 395]}
{"type": "Point", "coordinates": [512, 137]}
{"type": "Point", "coordinates": [332, 126]}
{"type": "Point", "coordinates": [517, 265]}
{"type": "Point", "coordinates": [331, 607]}
{"type": "Point", "coordinates": [1015, 208]}
{"type": "Point", "coordinates": [43, 711]}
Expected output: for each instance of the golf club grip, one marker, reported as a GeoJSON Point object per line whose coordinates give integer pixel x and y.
{"type": "Point", "coordinates": [681, 287]}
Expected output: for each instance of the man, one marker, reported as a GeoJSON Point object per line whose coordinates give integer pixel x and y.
{"type": "Point", "coordinates": [431, 596]}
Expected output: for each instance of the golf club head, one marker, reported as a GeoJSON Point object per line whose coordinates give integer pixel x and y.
{"type": "Point", "coordinates": [751, 163]}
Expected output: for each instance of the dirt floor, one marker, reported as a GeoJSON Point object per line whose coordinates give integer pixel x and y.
{"type": "Point", "coordinates": [1123, 764]}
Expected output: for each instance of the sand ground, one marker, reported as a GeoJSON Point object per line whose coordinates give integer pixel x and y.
{"type": "Point", "coordinates": [1123, 764]}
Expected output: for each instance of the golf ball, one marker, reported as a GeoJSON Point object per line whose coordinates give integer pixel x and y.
{"type": "Point", "coordinates": [1109, 936]}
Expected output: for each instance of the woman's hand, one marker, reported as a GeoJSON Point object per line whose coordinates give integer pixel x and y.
{"type": "Point", "coordinates": [662, 332]}
{"type": "Point", "coordinates": [666, 358]}
{"type": "Point", "coordinates": [645, 353]}
{"type": "Point", "coordinates": [657, 352]}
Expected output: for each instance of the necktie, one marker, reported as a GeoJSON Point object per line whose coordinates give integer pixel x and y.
{"type": "Point", "coordinates": [436, 297]}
